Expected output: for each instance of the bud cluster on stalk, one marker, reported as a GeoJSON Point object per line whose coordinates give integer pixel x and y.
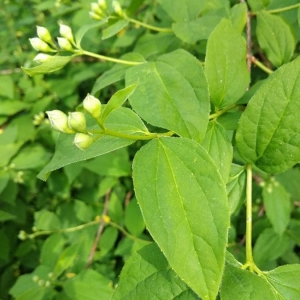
{"type": "Point", "coordinates": [75, 122]}
{"type": "Point", "coordinates": [99, 9]}
{"type": "Point", "coordinates": [44, 42]}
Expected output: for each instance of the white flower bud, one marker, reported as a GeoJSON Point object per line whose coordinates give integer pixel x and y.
{"type": "Point", "coordinates": [102, 4]}
{"type": "Point", "coordinates": [42, 57]}
{"type": "Point", "coordinates": [35, 278]}
{"type": "Point", "coordinates": [92, 105]}
{"type": "Point", "coordinates": [40, 45]}
{"type": "Point", "coordinates": [117, 8]}
{"type": "Point", "coordinates": [76, 121]}
{"type": "Point", "coordinates": [64, 44]}
{"type": "Point", "coordinates": [66, 32]}
{"type": "Point", "coordinates": [59, 121]}
{"type": "Point", "coordinates": [95, 8]}
{"type": "Point", "coordinates": [44, 34]}
{"type": "Point", "coordinates": [83, 141]}
{"type": "Point", "coordinates": [95, 16]}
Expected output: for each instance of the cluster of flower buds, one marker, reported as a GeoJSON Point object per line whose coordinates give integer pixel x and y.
{"type": "Point", "coordinates": [75, 122]}
{"type": "Point", "coordinates": [44, 42]}
{"type": "Point", "coordinates": [98, 10]}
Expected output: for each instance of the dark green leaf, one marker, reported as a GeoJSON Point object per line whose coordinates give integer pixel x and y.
{"type": "Point", "coordinates": [268, 134]}
{"type": "Point", "coordinates": [134, 221]}
{"type": "Point", "coordinates": [174, 179]}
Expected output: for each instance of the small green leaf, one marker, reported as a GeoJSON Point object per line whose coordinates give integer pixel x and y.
{"type": "Point", "coordinates": [122, 120]}
{"type": "Point", "coordinates": [118, 100]}
{"type": "Point", "coordinates": [225, 65]}
{"type": "Point", "coordinates": [84, 29]}
{"type": "Point", "coordinates": [217, 144]}
{"type": "Point", "coordinates": [6, 87]}
{"type": "Point", "coordinates": [53, 64]}
{"type": "Point", "coordinates": [5, 216]}
{"type": "Point", "coordinates": [277, 205]}
{"type": "Point", "coordinates": [268, 134]}
{"type": "Point", "coordinates": [11, 107]}
{"type": "Point", "coordinates": [174, 179]}
{"type": "Point", "coordinates": [88, 284]}
{"type": "Point", "coordinates": [285, 281]}
{"type": "Point", "coordinates": [290, 181]}
{"type": "Point", "coordinates": [147, 275]}
{"type": "Point", "coordinates": [238, 15]}
{"type": "Point", "coordinates": [183, 10]}
{"type": "Point", "coordinates": [257, 5]}
{"type": "Point", "coordinates": [275, 38]}
{"type": "Point", "coordinates": [240, 284]}
{"type": "Point", "coordinates": [172, 93]}
{"type": "Point", "coordinates": [134, 221]}
{"type": "Point", "coordinates": [46, 220]}
{"type": "Point", "coordinates": [114, 29]}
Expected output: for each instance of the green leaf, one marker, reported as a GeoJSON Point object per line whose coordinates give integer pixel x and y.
{"type": "Point", "coordinates": [268, 134]}
{"type": "Point", "coordinates": [46, 220]}
{"type": "Point", "coordinates": [240, 284]}
{"type": "Point", "coordinates": [6, 87]}
{"type": "Point", "coordinates": [84, 29]}
{"type": "Point", "coordinates": [217, 144]}
{"type": "Point", "coordinates": [290, 181]}
{"type": "Point", "coordinates": [225, 65]}
{"type": "Point", "coordinates": [108, 240]}
{"type": "Point", "coordinates": [277, 204]}
{"type": "Point", "coordinates": [285, 281]}
{"type": "Point", "coordinates": [117, 100]}
{"type": "Point", "coordinates": [133, 220]}
{"type": "Point", "coordinates": [183, 10]}
{"type": "Point", "coordinates": [269, 246]}
{"type": "Point", "coordinates": [11, 107]}
{"type": "Point", "coordinates": [89, 285]}
{"type": "Point", "coordinates": [122, 119]}
{"type": "Point", "coordinates": [174, 179]}
{"type": "Point", "coordinates": [114, 29]}
{"type": "Point", "coordinates": [275, 38]}
{"type": "Point", "coordinates": [238, 15]}
{"type": "Point", "coordinates": [172, 93]}
{"type": "Point", "coordinates": [53, 64]}
{"type": "Point", "coordinates": [116, 73]}
{"type": "Point", "coordinates": [257, 5]}
{"type": "Point", "coordinates": [147, 275]}
{"type": "Point", "coordinates": [4, 178]}
{"type": "Point", "coordinates": [5, 216]}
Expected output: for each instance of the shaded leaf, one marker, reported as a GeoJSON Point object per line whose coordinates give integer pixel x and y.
{"type": "Point", "coordinates": [114, 29]}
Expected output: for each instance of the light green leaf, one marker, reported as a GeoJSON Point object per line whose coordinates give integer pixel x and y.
{"type": "Point", "coordinates": [11, 107]}
{"type": "Point", "coordinates": [6, 87]}
{"type": "Point", "coordinates": [122, 119]}
{"type": "Point", "coordinates": [133, 220]}
{"type": "Point", "coordinates": [147, 275]}
{"type": "Point", "coordinates": [46, 220]}
{"type": "Point", "coordinates": [285, 280]}
{"type": "Point", "coordinates": [257, 5]}
{"type": "Point", "coordinates": [238, 15]}
{"type": "Point", "coordinates": [269, 246]}
{"type": "Point", "coordinates": [275, 38]}
{"type": "Point", "coordinates": [217, 144]}
{"type": "Point", "coordinates": [117, 100]}
{"type": "Point", "coordinates": [277, 204]}
{"type": "Point", "coordinates": [174, 179]}
{"type": "Point", "coordinates": [108, 240]}
{"type": "Point", "coordinates": [88, 285]}
{"type": "Point", "coordinates": [183, 10]}
{"type": "Point", "coordinates": [84, 29]}
{"type": "Point", "coordinates": [4, 178]}
{"type": "Point", "coordinates": [5, 216]}
{"type": "Point", "coordinates": [268, 134]}
{"type": "Point", "coordinates": [240, 284]}
{"type": "Point", "coordinates": [172, 93]}
{"type": "Point", "coordinates": [51, 65]}
{"type": "Point", "coordinates": [225, 65]}
{"type": "Point", "coordinates": [116, 73]}
{"type": "Point", "coordinates": [114, 29]}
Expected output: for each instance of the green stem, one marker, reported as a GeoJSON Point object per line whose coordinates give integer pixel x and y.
{"type": "Point", "coordinates": [147, 136]}
{"type": "Point", "coordinates": [132, 237]}
{"type": "Point", "coordinates": [221, 112]}
{"type": "Point", "coordinates": [151, 27]}
{"type": "Point", "coordinates": [261, 66]}
{"type": "Point", "coordinates": [278, 10]}
{"type": "Point", "coordinates": [108, 58]}
{"type": "Point", "coordinates": [249, 256]}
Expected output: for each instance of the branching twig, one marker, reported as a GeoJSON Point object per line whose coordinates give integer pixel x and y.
{"type": "Point", "coordinates": [99, 232]}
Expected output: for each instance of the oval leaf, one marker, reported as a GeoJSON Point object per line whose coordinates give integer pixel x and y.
{"type": "Point", "coordinates": [183, 200]}
{"type": "Point", "coordinates": [51, 65]}
{"type": "Point", "coordinates": [268, 134]}
{"type": "Point", "coordinates": [225, 65]}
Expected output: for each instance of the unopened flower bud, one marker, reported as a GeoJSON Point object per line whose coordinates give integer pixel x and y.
{"type": "Point", "coordinates": [64, 44]}
{"type": "Point", "coordinates": [102, 4]}
{"type": "Point", "coordinates": [95, 16]}
{"type": "Point", "coordinates": [92, 105]}
{"type": "Point", "coordinates": [47, 283]}
{"type": "Point", "coordinates": [76, 121]}
{"type": "Point", "coordinates": [117, 8]}
{"type": "Point", "coordinates": [22, 235]}
{"type": "Point", "coordinates": [59, 121]}
{"type": "Point", "coordinates": [83, 141]}
{"type": "Point", "coordinates": [95, 8]}
{"type": "Point", "coordinates": [66, 32]}
{"type": "Point", "coordinates": [41, 282]}
{"type": "Point", "coordinates": [42, 57]}
{"type": "Point", "coordinates": [35, 278]}
{"type": "Point", "coordinates": [40, 45]}
{"type": "Point", "coordinates": [44, 34]}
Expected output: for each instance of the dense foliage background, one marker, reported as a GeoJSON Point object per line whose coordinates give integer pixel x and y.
{"type": "Point", "coordinates": [64, 262]}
